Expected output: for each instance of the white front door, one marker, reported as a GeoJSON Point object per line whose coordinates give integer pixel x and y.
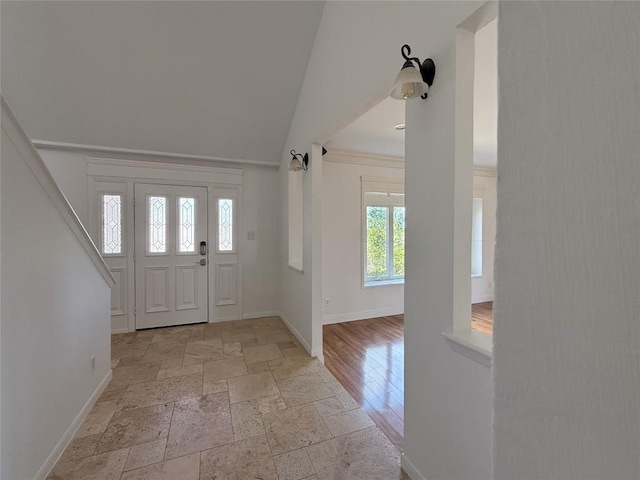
{"type": "Point", "coordinates": [170, 255]}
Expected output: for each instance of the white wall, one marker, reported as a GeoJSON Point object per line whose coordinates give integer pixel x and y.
{"type": "Point", "coordinates": [342, 246]}
{"type": "Point", "coordinates": [55, 315]}
{"type": "Point", "coordinates": [482, 287]}
{"type": "Point", "coordinates": [448, 396]}
{"type": "Point", "coordinates": [566, 356]}
{"type": "Point", "coordinates": [259, 214]}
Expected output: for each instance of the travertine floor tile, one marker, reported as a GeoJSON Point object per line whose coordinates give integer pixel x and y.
{"type": "Point", "coordinates": [161, 391]}
{"type": "Point", "coordinates": [270, 404]}
{"type": "Point", "coordinates": [363, 455]}
{"type": "Point", "coordinates": [348, 422]}
{"type": "Point", "coordinates": [249, 387]}
{"type": "Point", "coordinates": [266, 336]}
{"type": "Point", "coordinates": [183, 334]}
{"type": "Point", "coordinates": [179, 371]}
{"type": "Point", "coordinates": [112, 394]}
{"type": "Point", "coordinates": [114, 362]}
{"type": "Point", "coordinates": [203, 351]}
{"type": "Point", "coordinates": [242, 460]}
{"type": "Point", "coordinates": [294, 465]}
{"type": "Point", "coordinates": [232, 350]}
{"type": "Point", "coordinates": [199, 424]}
{"type": "Point", "coordinates": [303, 389]}
{"type": "Point", "coordinates": [107, 466]}
{"type": "Point", "coordinates": [98, 419]}
{"type": "Point", "coordinates": [219, 369]}
{"type": "Point", "coordinates": [183, 468]}
{"type": "Point", "coordinates": [328, 406]}
{"type": "Point", "coordinates": [267, 322]}
{"type": "Point", "coordinates": [136, 426]}
{"type": "Point", "coordinates": [238, 336]}
{"type": "Point", "coordinates": [261, 353]}
{"type": "Point", "coordinates": [124, 350]}
{"type": "Point", "coordinates": [341, 394]}
{"type": "Point", "coordinates": [81, 447]}
{"type": "Point", "coordinates": [247, 420]}
{"type": "Point", "coordinates": [293, 428]}
{"type": "Point", "coordinates": [215, 386]}
{"type": "Point", "coordinates": [291, 349]}
{"type": "Point", "coordinates": [146, 454]}
{"type": "Point", "coordinates": [128, 375]}
{"type": "Point", "coordinates": [258, 367]}
{"type": "Point", "coordinates": [158, 352]}
{"type": "Point", "coordinates": [295, 367]}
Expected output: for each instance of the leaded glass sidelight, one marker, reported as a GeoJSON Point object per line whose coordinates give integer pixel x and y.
{"type": "Point", "coordinates": [111, 224]}
{"type": "Point", "coordinates": [157, 227]}
{"type": "Point", "coordinates": [225, 224]}
{"type": "Point", "coordinates": [186, 231]}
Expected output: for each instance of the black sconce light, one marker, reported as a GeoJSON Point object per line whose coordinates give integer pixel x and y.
{"type": "Point", "coordinates": [410, 83]}
{"type": "Point", "coordinates": [298, 161]}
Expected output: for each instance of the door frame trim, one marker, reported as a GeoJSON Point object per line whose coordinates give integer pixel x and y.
{"type": "Point", "coordinates": [130, 172]}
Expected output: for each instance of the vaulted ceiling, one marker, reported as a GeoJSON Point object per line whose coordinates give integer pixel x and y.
{"type": "Point", "coordinates": [217, 79]}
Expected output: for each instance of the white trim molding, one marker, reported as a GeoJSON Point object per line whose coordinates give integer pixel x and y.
{"type": "Point", "coordinates": [410, 468]}
{"type": "Point", "coordinates": [297, 334]}
{"type": "Point", "coordinates": [60, 447]}
{"type": "Point", "coordinates": [364, 158]}
{"type": "Point", "coordinates": [363, 315]}
{"type": "Point", "coordinates": [145, 153]}
{"type": "Point", "coordinates": [110, 167]}
{"type": "Point", "coordinates": [32, 158]}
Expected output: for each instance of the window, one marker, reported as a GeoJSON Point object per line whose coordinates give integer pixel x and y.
{"type": "Point", "coordinates": [476, 237]}
{"type": "Point", "coordinates": [186, 232]}
{"type": "Point", "coordinates": [157, 224]}
{"type": "Point", "coordinates": [383, 231]}
{"type": "Point", "coordinates": [225, 225]}
{"type": "Point", "coordinates": [111, 224]}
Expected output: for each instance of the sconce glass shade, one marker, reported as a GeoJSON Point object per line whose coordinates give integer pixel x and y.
{"type": "Point", "coordinates": [409, 83]}
{"type": "Point", "coordinates": [295, 165]}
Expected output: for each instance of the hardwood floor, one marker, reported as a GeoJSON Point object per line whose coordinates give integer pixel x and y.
{"type": "Point", "coordinates": [367, 358]}
{"type": "Point", "coordinates": [482, 317]}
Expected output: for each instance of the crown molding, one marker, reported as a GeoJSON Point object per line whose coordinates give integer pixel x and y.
{"type": "Point", "coordinates": [145, 153]}
{"type": "Point", "coordinates": [376, 160]}
{"type": "Point", "coordinates": [364, 158]}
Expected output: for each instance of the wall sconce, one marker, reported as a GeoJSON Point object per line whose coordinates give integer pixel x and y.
{"type": "Point", "coordinates": [298, 161]}
{"type": "Point", "coordinates": [410, 83]}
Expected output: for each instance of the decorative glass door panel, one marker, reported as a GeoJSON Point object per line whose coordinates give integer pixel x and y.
{"type": "Point", "coordinates": [170, 255]}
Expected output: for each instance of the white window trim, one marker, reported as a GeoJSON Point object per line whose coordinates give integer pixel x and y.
{"type": "Point", "coordinates": [382, 185]}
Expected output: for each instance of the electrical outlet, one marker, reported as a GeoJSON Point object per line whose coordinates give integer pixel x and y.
{"type": "Point", "coordinates": [327, 302]}
{"type": "Point", "coordinates": [92, 359]}
{"type": "Point", "coordinates": [251, 235]}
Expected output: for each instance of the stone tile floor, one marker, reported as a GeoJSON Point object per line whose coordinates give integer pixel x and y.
{"type": "Point", "coordinates": [226, 401]}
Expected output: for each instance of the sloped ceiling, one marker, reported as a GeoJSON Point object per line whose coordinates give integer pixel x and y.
{"type": "Point", "coordinates": [213, 78]}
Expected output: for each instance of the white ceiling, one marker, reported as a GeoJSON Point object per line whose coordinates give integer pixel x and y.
{"type": "Point", "coordinates": [373, 132]}
{"type": "Point", "coordinates": [200, 78]}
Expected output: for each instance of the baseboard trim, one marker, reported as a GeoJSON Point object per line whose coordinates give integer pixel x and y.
{"type": "Point", "coordinates": [410, 468]}
{"type": "Point", "coordinates": [230, 318]}
{"type": "Point", "coordinates": [300, 338]}
{"type": "Point", "coordinates": [363, 315]}
{"type": "Point", "coordinates": [482, 298]}
{"type": "Point", "coordinates": [115, 331]}
{"type": "Point", "coordinates": [60, 447]}
{"type": "Point", "coordinates": [249, 316]}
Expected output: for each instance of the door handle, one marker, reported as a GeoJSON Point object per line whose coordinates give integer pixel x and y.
{"type": "Point", "coordinates": [203, 262]}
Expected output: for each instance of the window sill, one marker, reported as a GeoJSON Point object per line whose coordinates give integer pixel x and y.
{"type": "Point", "coordinates": [382, 283]}
{"type": "Point", "coordinates": [476, 276]}
{"type": "Point", "coordinates": [296, 268]}
{"type": "Point", "coordinates": [475, 346]}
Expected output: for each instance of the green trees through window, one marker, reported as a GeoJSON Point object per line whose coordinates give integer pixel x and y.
{"type": "Point", "coordinates": [385, 242]}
